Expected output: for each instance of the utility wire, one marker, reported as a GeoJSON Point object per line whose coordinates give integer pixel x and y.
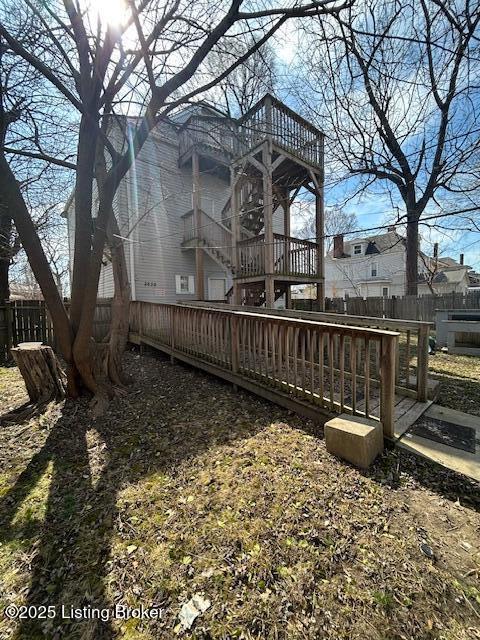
{"type": "Point", "coordinates": [399, 221]}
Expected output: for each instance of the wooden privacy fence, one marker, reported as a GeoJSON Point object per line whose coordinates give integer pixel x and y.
{"type": "Point", "coordinates": [29, 321]}
{"type": "Point", "coordinates": [308, 366]}
{"type": "Point", "coordinates": [419, 308]}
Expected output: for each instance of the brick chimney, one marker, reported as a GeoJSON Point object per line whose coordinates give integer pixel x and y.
{"type": "Point", "coordinates": [338, 251]}
{"type": "Point", "coordinates": [461, 258]}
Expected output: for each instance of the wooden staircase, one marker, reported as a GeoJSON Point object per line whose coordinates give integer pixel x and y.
{"type": "Point", "coordinates": [212, 236]}
{"type": "Point", "coordinates": [251, 208]}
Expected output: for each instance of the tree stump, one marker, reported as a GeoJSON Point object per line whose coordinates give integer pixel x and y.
{"type": "Point", "coordinates": [41, 371]}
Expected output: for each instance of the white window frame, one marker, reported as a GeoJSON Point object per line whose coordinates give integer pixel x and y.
{"type": "Point", "coordinates": [355, 247]}
{"type": "Point", "coordinates": [374, 268]}
{"type": "Point", "coordinates": [385, 295]}
{"type": "Point", "coordinates": [181, 280]}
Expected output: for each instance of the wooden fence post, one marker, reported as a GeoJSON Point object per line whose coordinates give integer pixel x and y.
{"type": "Point", "coordinates": [234, 345]}
{"type": "Point", "coordinates": [234, 342]}
{"type": "Point", "coordinates": [389, 345]}
{"type": "Point", "coordinates": [9, 321]}
{"type": "Point", "coordinates": [422, 364]}
{"type": "Point", "coordinates": [172, 332]}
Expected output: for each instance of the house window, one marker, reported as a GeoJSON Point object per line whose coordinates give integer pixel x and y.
{"type": "Point", "coordinates": [357, 249]}
{"type": "Point", "coordinates": [385, 292]}
{"type": "Point", "coordinates": [185, 284]}
{"type": "Point", "coordinates": [374, 270]}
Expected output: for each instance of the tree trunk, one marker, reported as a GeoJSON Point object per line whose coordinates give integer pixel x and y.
{"type": "Point", "coordinates": [11, 199]}
{"type": "Point", "coordinates": [121, 298]}
{"type": "Point", "coordinates": [42, 374]}
{"type": "Point", "coordinates": [5, 251]}
{"type": "Point", "coordinates": [4, 284]}
{"type": "Point", "coordinates": [120, 306]}
{"type": "Point", "coordinates": [86, 150]}
{"type": "Point", "coordinates": [412, 254]}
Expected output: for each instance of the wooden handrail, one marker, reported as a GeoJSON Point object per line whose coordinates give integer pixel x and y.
{"type": "Point", "coordinates": [214, 132]}
{"type": "Point", "coordinates": [269, 118]}
{"type": "Point", "coordinates": [291, 256]}
{"type": "Point", "coordinates": [418, 388]}
{"type": "Point", "coordinates": [283, 107]}
{"type": "Point", "coordinates": [319, 366]}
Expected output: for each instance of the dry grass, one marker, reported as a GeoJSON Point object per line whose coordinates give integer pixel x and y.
{"type": "Point", "coordinates": [459, 378]}
{"type": "Point", "coordinates": [12, 389]}
{"type": "Point", "coordinates": [187, 488]}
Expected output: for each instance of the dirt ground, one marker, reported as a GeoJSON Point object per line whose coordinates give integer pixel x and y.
{"type": "Point", "coordinates": [185, 490]}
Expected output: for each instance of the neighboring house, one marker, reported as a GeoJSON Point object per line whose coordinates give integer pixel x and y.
{"type": "Point", "coordinates": [473, 279]}
{"type": "Point", "coordinates": [174, 207]}
{"type": "Point", "coordinates": [376, 266]}
{"type": "Point", "coordinates": [25, 291]}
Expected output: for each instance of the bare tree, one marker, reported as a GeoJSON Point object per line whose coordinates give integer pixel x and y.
{"type": "Point", "coordinates": [28, 123]}
{"type": "Point", "coordinates": [142, 61]}
{"type": "Point", "coordinates": [395, 85]}
{"type": "Point", "coordinates": [337, 221]}
{"type": "Point", "coordinates": [248, 83]}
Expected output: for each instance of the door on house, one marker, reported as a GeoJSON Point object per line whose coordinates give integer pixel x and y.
{"type": "Point", "coordinates": [216, 288]}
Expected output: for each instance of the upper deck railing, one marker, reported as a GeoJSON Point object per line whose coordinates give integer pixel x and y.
{"type": "Point", "coordinates": [272, 119]}
{"type": "Point", "coordinates": [209, 135]}
{"type": "Point", "coordinates": [269, 119]}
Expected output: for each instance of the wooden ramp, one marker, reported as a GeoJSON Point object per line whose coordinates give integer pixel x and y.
{"type": "Point", "coordinates": [407, 411]}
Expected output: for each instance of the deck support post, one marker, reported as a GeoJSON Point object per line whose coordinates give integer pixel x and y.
{"type": "Point", "coordinates": [389, 344]}
{"type": "Point", "coordinates": [422, 364]}
{"type": "Point", "coordinates": [199, 267]}
{"type": "Point", "coordinates": [269, 292]}
{"type": "Point", "coordinates": [235, 226]}
{"type": "Point", "coordinates": [268, 222]}
{"type": "Point", "coordinates": [288, 297]}
{"type": "Point", "coordinates": [320, 238]}
{"type": "Point", "coordinates": [286, 232]}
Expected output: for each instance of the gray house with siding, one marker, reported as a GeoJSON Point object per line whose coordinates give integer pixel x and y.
{"type": "Point", "coordinates": [149, 206]}
{"type": "Point", "coordinates": [204, 211]}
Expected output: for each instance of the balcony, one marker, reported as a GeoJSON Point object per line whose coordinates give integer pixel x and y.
{"type": "Point", "coordinates": [222, 139]}
{"type": "Point", "coordinates": [292, 258]}
{"type": "Point", "coordinates": [271, 119]}
{"type": "Point", "coordinates": [212, 137]}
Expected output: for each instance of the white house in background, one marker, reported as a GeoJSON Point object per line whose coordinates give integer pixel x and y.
{"type": "Point", "coordinates": [376, 266]}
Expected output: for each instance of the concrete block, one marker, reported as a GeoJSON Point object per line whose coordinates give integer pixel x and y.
{"type": "Point", "coordinates": [355, 439]}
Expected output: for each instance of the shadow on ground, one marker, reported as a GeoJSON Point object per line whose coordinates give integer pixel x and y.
{"type": "Point", "coordinates": [149, 431]}
{"type": "Point", "coordinates": [141, 436]}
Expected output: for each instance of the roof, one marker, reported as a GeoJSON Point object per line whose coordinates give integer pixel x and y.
{"type": "Point", "coordinates": [380, 243]}
{"type": "Point", "coordinates": [452, 276]}
{"type": "Point", "coordinates": [447, 261]}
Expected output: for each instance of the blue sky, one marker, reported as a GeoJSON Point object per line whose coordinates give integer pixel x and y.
{"type": "Point", "coordinates": [376, 208]}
